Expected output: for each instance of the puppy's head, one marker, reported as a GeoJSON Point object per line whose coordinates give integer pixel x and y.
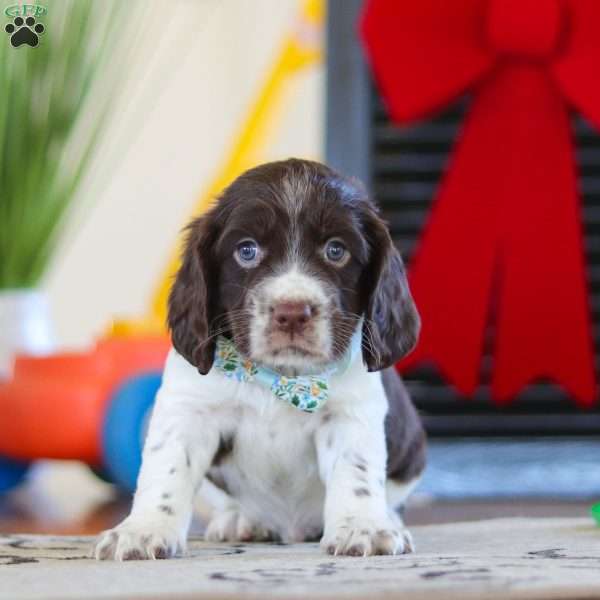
{"type": "Point", "coordinates": [286, 264]}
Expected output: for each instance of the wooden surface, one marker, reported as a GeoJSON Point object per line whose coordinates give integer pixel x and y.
{"type": "Point", "coordinates": [66, 499]}
{"type": "Point", "coordinates": [17, 517]}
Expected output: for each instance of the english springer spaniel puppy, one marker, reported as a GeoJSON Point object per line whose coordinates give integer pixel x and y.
{"type": "Point", "coordinates": [280, 405]}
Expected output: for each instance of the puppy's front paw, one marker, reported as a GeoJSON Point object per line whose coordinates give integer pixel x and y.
{"type": "Point", "coordinates": [364, 537]}
{"type": "Point", "coordinates": [138, 540]}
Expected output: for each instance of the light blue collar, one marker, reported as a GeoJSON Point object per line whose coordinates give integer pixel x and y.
{"type": "Point", "coordinates": [305, 392]}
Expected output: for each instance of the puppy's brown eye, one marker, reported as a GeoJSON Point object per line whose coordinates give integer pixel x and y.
{"type": "Point", "coordinates": [335, 251]}
{"type": "Point", "coordinates": [247, 252]}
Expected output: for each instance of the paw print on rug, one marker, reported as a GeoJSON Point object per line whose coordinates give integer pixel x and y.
{"type": "Point", "coordinates": [24, 31]}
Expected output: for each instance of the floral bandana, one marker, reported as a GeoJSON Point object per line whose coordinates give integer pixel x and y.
{"type": "Point", "coordinates": [305, 392]}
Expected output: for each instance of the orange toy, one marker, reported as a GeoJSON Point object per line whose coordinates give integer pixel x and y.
{"type": "Point", "coordinates": [54, 406]}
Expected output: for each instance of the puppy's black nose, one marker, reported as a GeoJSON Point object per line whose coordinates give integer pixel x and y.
{"type": "Point", "coordinates": [291, 317]}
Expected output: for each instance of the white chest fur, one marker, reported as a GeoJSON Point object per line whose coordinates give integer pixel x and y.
{"type": "Point", "coordinates": [272, 470]}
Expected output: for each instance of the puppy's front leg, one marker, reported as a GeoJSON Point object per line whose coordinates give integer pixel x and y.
{"type": "Point", "coordinates": [352, 462]}
{"type": "Point", "coordinates": [178, 451]}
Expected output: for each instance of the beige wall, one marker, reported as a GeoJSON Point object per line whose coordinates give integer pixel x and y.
{"type": "Point", "coordinates": [195, 73]}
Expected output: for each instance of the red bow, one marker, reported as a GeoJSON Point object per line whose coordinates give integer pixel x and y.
{"type": "Point", "coordinates": [506, 218]}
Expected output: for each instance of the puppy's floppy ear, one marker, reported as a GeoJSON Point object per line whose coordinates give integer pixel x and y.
{"type": "Point", "coordinates": [192, 300]}
{"type": "Point", "coordinates": [392, 322]}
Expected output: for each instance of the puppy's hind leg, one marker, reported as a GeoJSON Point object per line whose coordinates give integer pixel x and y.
{"type": "Point", "coordinates": [397, 493]}
{"type": "Point", "coordinates": [225, 518]}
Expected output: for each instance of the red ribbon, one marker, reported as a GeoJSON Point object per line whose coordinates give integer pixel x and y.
{"type": "Point", "coordinates": [506, 222]}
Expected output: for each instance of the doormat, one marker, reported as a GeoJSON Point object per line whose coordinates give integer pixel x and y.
{"type": "Point", "coordinates": [497, 559]}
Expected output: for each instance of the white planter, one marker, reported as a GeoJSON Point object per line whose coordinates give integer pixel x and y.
{"type": "Point", "coordinates": [25, 326]}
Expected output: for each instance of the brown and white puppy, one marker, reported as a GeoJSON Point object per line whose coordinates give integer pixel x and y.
{"type": "Point", "coordinates": [288, 264]}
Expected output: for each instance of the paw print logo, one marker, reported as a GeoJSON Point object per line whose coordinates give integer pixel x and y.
{"type": "Point", "coordinates": [24, 31]}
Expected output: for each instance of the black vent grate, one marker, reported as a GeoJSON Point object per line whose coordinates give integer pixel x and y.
{"type": "Point", "coordinates": [406, 166]}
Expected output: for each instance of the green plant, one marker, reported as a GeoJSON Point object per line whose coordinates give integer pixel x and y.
{"type": "Point", "coordinates": [54, 102]}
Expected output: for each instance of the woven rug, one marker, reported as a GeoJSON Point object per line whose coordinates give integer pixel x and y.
{"type": "Point", "coordinates": [497, 559]}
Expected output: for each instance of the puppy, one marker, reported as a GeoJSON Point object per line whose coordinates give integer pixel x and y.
{"type": "Point", "coordinates": [279, 404]}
